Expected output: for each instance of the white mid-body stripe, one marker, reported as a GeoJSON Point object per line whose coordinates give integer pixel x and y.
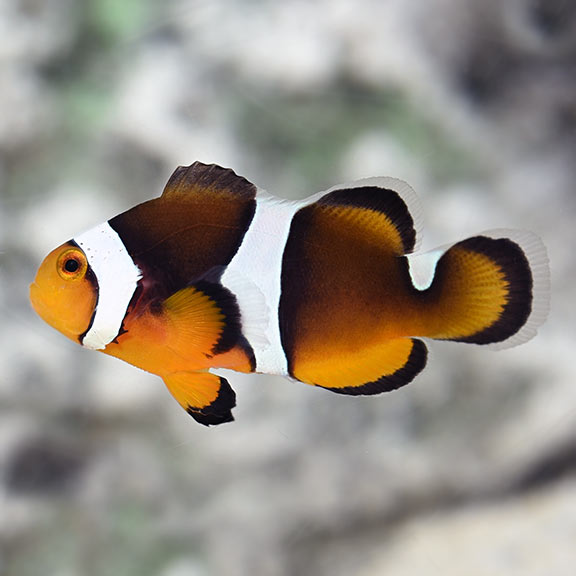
{"type": "Point", "coordinates": [254, 277]}
{"type": "Point", "coordinates": [117, 278]}
{"type": "Point", "coordinates": [254, 274]}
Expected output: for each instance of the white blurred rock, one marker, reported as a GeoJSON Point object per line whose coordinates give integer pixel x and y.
{"type": "Point", "coordinates": [285, 46]}
{"type": "Point", "coordinates": [57, 215]}
{"type": "Point", "coordinates": [531, 535]}
{"type": "Point", "coordinates": [185, 568]}
{"type": "Point", "coordinates": [27, 107]}
{"type": "Point", "coordinates": [379, 154]}
{"type": "Point", "coordinates": [166, 106]}
{"type": "Point", "coordinates": [303, 473]}
{"type": "Point", "coordinates": [34, 32]}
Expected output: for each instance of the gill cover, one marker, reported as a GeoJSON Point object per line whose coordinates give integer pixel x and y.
{"type": "Point", "coordinates": [64, 293]}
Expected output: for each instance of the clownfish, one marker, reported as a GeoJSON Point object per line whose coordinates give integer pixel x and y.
{"type": "Point", "coordinates": [216, 273]}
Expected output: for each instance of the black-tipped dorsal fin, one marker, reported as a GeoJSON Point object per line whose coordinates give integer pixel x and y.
{"type": "Point", "coordinates": [199, 178]}
{"type": "Point", "coordinates": [194, 228]}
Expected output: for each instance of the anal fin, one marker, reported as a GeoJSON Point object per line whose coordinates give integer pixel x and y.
{"type": "Point", "coordinates": [384, 368]}
{"type": "Point", "coordinates": [208, 398]}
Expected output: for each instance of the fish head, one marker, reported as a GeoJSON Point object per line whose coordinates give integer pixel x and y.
{"type": "Point", "coordinates": [65, 292]}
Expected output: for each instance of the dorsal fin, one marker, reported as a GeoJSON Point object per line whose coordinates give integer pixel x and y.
{"type": "Point", "coordinates": [392, 203]}
{"type": "Point", "coordinates": [194, 228]}
{"type": "Point", "coordinates": [199, 178]}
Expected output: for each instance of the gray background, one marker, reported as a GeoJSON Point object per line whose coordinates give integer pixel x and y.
{"type": "Point", "coordinates": [469, 470]}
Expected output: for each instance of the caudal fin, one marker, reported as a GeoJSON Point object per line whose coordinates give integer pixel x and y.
{"type": "Point", "coordinates": [488, 289]}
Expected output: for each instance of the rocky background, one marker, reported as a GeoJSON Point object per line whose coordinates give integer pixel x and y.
{"type": "Point", "coordinates": [468, 471]}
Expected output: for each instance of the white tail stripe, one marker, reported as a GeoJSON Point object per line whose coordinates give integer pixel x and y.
{"type": "Point", "coordinates": [117, 278]}
{"type": "Point", "coordinates": [422, 267]}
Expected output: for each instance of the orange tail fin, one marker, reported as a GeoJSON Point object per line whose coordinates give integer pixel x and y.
{"type": "Point", "coordinates": [491, 288]}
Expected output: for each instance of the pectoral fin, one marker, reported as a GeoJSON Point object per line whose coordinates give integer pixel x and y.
{"type": "Point", "coordinates": [198, 321]}
{"type": "Point", "coordinates": [205, 322]}
{"type": "Point", "coordinates": [208, 398]}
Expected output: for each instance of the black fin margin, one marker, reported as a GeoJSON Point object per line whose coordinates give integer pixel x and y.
{"type": "Point", "coordinates": [414, 365]}
{"type": "Point", "coordinates": [228, 304]}
{"type": "Point", "coordinates": [220, 411]}
{"type": "Point", "coordinates": [383, 200]}
{"type": "Point", "coordinates": [511, 259]}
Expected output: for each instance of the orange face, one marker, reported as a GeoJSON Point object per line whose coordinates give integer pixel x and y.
{"type": "Point", "coordinates": [62, 293]}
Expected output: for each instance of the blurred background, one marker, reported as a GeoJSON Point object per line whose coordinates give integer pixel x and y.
{"type": "Point", "coordinates": [469, 470]}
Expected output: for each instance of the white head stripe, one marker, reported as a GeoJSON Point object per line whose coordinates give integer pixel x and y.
{"type": "Point", "coordinates": [117, 278]}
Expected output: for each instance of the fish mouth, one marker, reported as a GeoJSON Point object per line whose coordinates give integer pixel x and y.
{"type": "Point", "coordinates": [34, 298]}
{"type": "Point", "coordinates": [57, 313]}
{"type": "Point", "coordinates": [40, 306]}
{"type": "Point", "coordinates": [46, 312]}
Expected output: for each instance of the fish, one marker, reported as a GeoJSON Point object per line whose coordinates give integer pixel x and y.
{"type": "Point", "coordinates": [330, 290]}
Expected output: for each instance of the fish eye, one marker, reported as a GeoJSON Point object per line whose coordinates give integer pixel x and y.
{"type": "Point", "coordinates": [72, 265]}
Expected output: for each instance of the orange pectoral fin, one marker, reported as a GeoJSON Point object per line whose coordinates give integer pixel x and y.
{"type": "Point", "coordinates": [197, 320]}
{"type": "Point", "coordinates": [208, 398]}
{"type": "Point", "coordinates": [204, 323]}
